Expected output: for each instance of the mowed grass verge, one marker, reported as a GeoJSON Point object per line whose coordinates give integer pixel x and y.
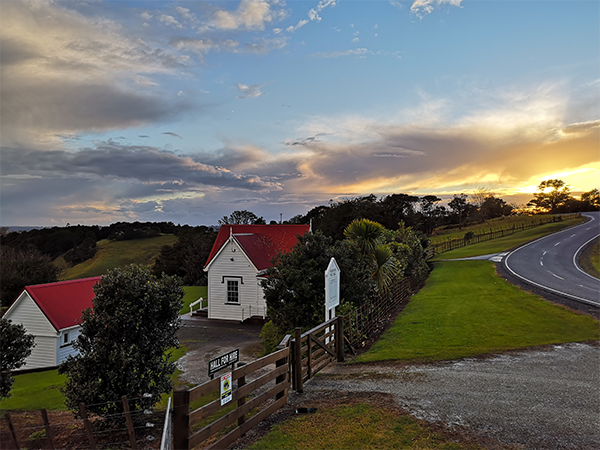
{"type": "Point", "coordinates": [466, 310]}
{"type": "Point", "coordinates": [35, 391]}
{"type": "Point", "coordinates": [360, 426]}
{"type": "Point", "coordinates": [508, 242]}
{"type": "Point", "coordinates": [119, 254]}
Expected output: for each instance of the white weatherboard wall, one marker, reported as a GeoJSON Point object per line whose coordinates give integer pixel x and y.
{"type": "Point", "coordinates": [27, 313]}
{"type": "Point", "coordinates": [63, 350]}
{"type": "Point", "coordinates": [240, 268]}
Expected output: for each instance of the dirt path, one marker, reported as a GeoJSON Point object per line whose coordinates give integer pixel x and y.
{"type": "Point", "coordinates": [538, 399]}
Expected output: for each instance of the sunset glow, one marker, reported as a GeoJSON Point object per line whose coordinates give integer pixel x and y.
{"type": "Point", "coordinates": [186, 111]}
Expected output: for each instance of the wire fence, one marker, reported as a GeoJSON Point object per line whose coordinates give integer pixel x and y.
{"type": "Point", "coordinates": [368, 320]}
{"type": "Point", "coordinates": [136, 429]}
{"type": "Point", "coordinates": [483, 235]}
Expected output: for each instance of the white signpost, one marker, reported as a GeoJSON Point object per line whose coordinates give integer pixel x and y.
{"type": "Point", "coordinates": [332, 289]}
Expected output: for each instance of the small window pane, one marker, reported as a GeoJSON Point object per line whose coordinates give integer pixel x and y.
{"type": "Point", "coordinates": [233, 292]}
{"type": "Point", "coordinates": [66, 338]}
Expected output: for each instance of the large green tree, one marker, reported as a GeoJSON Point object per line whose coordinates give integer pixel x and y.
{"type": "Point", "coordinates": [23, 267]}
{"type": "Point", "coordinates": [550, 196]}
{"type": "Point", "coordinates": [124, 342]}
{"type": "Point", "coordinates": [295, 287]}
{"type": "Point", "coordinates": [16, 346]}
{"type": "Point", "coordinates": [242, 217]}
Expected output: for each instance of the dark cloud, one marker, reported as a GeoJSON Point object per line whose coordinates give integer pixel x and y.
{"type": "Point", "coordinates": [170, 133]}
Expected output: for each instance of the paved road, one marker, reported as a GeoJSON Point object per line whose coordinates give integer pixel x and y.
{"type": "Point", "coordinates": [550, 263]}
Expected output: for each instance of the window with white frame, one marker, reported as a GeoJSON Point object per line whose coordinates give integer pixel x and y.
{"type": "Point", "coordinates": [233, 291]}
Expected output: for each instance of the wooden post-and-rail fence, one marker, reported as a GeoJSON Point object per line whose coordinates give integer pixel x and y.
{"type": "Point", "coordinates": [298, 358]}
{"type": "Point", "coordinates": [185, 421]}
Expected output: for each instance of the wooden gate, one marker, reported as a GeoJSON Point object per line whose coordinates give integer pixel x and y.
{"type": "Point", "coordinates": [315, 349]}
{"type": "Point", "coordinates": [184, 419]}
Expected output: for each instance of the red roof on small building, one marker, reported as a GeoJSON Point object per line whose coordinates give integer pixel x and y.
{"type": "Point", "coordinates": [63, 302]}
{"type": "Point", "coordinates": [260, 242]}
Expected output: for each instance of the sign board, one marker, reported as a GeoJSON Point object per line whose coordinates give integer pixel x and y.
{"type": "Point", "coordinates": [219, 363]}
{"type": "Point", "coordinates": [226, 388]}
{"type": "Point", "coordinates": [332, 285]}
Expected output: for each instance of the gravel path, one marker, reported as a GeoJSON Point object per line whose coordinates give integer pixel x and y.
{"type": "Point", "coordinates": [538, 399]}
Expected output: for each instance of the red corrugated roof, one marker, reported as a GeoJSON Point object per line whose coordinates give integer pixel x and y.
{"type": "Point", "coordinates": [63, 302]}
{"type": "Point", "coordinates": [260, 242]}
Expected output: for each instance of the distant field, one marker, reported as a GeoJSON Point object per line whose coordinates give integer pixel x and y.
{"type": "Point", "coordinates": [113, 254]}
{"type": "Point", "coordinates": [508, 242]}
{"type": "Point", "coordinates": [466, 310]}
{"type": "Point", "coordinates": [502, 223]}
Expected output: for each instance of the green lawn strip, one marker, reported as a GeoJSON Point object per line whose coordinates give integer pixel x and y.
{"type": "Point", "coordinates": [193, 293]}
{"type": "Point", "coordinates": [42, 390]}
{"type": "Point", "coordinates": [113, 254]}
{"type": "Point", "coordinates": [35, 391]}
{"type": "Point", "coordinates": [508, 242]}
{"type": "Point", "coordinates": [465, 310]}
{"type": "Point", "coordinates": [352, 427]}
{"type": "Point", "coordinates": [595, 256]}
{"type": "Point", "coordinates": [501, 223]}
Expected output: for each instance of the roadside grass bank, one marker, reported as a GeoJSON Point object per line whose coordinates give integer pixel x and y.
{"type": "Point", "coordinates": [501, 223]}
{"type": "Point", "coordinates": [355, 425]}
{"type": "Point", "coordinates": [113, 254]}
{"type": "Point", "coordinates": [466, 310]}
{"type": "Point", "coordinates": [595, 258]}
{"type": "Point", "coordinates": [508, 242]}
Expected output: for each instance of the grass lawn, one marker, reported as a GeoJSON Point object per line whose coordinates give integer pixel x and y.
{"type": "Point", "coordinates": [501, 223]}
{"type": "Point", "coordinates": [360, 426]}
{"type": "Point", "coordinates": [193, 293]}
{"type": "Point", "coordinates": [465, 310]}
{"type": "Point", "coordinates": [118, 254]}
{"type": "Point", "coordinates": [35, 391]}
{"type": "Point", "coordinates": [508, 242]}
{"type": "Point", "coordinates": [595, 256]}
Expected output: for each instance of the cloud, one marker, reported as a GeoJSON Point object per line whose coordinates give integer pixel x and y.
{"type": "Point", "coordinates": [421, 8]}
{"type": "Point", "coordinates": [250, 15]}
{"type": "Point", "coordinates": [581, 127]}
{"type": "Point", "coordinates": [361, 52]}
{"type": "Point", "coordinates": [313, 14]}
{"type": "Point", "coordinates": [251, 91]}
{"type": "Point", "coordinates": [170, 21]}
{"type": "Point", "coordinates": [73, 74]}
{"type": "Point", "coordinates": [170, 133]}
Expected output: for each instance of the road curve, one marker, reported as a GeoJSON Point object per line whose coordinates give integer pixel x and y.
{"type": "Point", "coordinates": [551, 263]}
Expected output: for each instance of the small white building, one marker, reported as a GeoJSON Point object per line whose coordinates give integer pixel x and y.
{"type": "Point", "coordinates": [239, 257]}
{"type": "Point", "coordinates": [52, 314]}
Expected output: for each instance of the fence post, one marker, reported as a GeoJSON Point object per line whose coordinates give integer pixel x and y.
{"type": "Point", "coordinates": [298, 359]}
{"type": "Point", "coordinates": [47, 428]}
{"type": "Point", "coordinates": [339, 338]}
{"type": "Point", "coordinates": [130, 429]}
{"type": "Point", "coordinates": [241, 382]}
{"type": "Point", "coordinates": [181, 422]}
{"type": "Point", "coordinates": [13, 433]}
{"type": "Point", "coordinates": [309, 355]}
{"type": "Point", "coordinates": [88, 426]}
{"type": "Point", "coordinates": [281, 378]}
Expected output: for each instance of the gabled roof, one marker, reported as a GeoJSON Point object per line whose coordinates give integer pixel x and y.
{"type": "Point", "coordinates": [259, 242]}
{"type": "Point", "coordinates": [63, 302]}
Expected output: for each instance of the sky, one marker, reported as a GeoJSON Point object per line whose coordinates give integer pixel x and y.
{"type": "Point", "coordinates": [186, 111]}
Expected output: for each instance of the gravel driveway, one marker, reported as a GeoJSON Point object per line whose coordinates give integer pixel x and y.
{"type": "Point", "coordinates": [538, 399]}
